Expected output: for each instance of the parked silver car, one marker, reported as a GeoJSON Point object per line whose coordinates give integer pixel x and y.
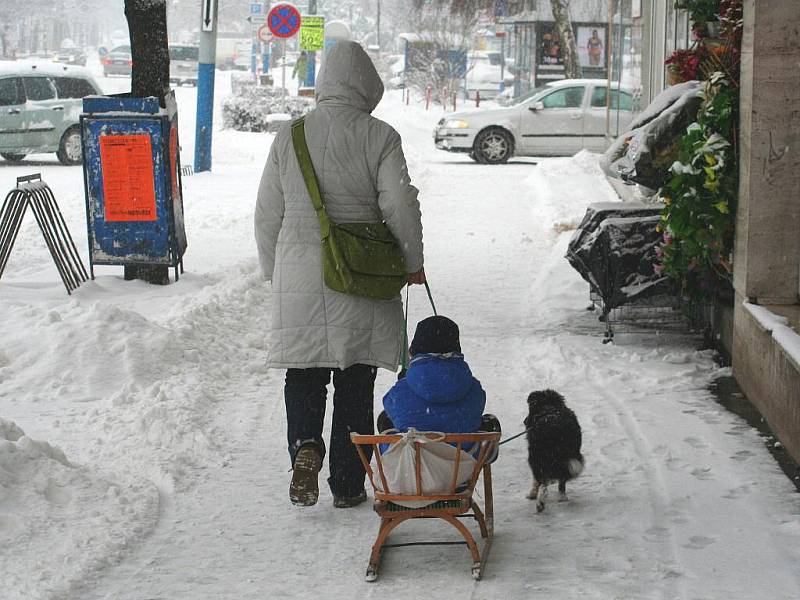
{"type": "Point", "coordinates": [40, 107]}
{"type": "Point", "coordinates": [558, 119]}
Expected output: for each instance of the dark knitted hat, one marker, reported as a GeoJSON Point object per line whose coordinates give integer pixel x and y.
{"type": "Point", "coordinates": [435, 335]}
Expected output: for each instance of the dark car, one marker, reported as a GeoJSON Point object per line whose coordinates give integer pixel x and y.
{"type": "Point", "coordinates": [71, 56]}
{"type": "Point", "coordinates": [118, 62]}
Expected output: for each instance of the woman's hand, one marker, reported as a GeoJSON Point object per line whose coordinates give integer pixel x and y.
{"type": "Point", "coordinates": [417, 278]}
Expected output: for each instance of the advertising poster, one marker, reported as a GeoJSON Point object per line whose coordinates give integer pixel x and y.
{"type": "Point", "coordinates": [592, 46]}
{"type": "Point", "coordinates": [312, 34]}
{"type": "Point", "coordinates": [129, 191]}
{"type": "Point", "coordinates": [549, 45]}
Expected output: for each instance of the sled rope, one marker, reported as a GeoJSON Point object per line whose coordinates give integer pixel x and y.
{"type": "Point", "coordinates": [404, 349]}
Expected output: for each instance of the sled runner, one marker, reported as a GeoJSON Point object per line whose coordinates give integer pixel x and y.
{"type": "Point", "coordinates": [454, 503]}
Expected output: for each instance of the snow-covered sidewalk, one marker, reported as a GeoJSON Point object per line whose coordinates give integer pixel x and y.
{"type": "Point", "coordinates": [173, 478]}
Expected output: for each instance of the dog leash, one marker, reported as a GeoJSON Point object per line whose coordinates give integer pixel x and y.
{"type": "Point", "coordinates": [404, 349]}
{"type": "Point", "coordinates": [513, 437]}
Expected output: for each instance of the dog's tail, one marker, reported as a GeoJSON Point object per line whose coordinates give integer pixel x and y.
{"type": "Point", "coordinates": [575, 467]}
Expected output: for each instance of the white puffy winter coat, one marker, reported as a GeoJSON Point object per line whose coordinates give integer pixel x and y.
{"type": "Point", "coordinates": [363, 177]}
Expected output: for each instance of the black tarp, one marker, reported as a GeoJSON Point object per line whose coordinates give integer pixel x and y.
{"type": "Point", "coordinates": [614, 250]}
{"type": "Point", "coordinates": [644, 154]}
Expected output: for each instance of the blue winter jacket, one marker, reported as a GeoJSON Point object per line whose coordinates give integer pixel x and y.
{"type": "Point", "coordinates": [438, 393]}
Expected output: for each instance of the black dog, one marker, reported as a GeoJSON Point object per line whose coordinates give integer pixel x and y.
{"type": "Point", "coordinates": [554, 444]}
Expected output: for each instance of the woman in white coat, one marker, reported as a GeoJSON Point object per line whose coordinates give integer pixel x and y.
{"type": "Point", "coordinates": [316, 331]}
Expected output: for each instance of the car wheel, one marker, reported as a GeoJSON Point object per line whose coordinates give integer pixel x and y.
{"type": "Point", "coordinates": [493, 146]}
{"type": "Point", "coordinates": [70, 150]}
{"type": "Point", "coordinates": [14, 158]}
{"type": "Point", "coordinates": [474, 156]}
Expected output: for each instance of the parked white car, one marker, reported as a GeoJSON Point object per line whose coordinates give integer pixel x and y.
{"type": "Point", "coordinates": [558, 119]}
{"type": "Point", "coordinates": [183, 63]}
{"type": "Point", "coordinates": [486, 73]}
{"type": "Point", "coordinates": [40, 107]}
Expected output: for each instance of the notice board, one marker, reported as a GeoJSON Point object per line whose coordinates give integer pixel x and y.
{"type": "Point", "coordinates": [128, 183]}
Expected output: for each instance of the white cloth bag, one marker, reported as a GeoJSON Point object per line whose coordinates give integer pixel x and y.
{"type": "Point", "coordinates": [437, 462]}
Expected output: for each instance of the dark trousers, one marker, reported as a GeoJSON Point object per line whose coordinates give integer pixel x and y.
{"type": "Point", "coordinates": [305, 394]}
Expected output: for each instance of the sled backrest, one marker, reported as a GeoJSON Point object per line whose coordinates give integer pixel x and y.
{"type": "Point", "coordinates": [481, 446]}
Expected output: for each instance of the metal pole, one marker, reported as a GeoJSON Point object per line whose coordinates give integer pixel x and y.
{"type": "Point", "coordinates": [283, 69]}
{"type": "Point", "coordinates": [205, 86]}
{"type": "Point", "coordinates": [379, 26]}
{"type": "Point", "coordinates": [502, 63]}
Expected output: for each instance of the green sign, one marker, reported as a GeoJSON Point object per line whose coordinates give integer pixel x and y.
{"type": "Point", "coordinates": [312, 33]}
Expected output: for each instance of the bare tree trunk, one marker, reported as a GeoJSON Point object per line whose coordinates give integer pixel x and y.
{"type": "Point", "coordinates": [568, 45]}
{"type": "Point", "coordinates": [147, 26]}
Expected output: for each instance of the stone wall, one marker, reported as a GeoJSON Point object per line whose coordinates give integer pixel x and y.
{"type": "Point", "coordinates": [767, 248]}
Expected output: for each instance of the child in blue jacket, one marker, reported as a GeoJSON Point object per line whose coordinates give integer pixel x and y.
{"type": "Point", "coordinates": [439, 392]}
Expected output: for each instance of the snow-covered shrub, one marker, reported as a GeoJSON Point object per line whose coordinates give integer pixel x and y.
{"type": "Point", "coordinates": [251, 105]}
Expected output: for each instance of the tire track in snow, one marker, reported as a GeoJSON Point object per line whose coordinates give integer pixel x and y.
{"type": "Point", "coordinates": [657, 488]}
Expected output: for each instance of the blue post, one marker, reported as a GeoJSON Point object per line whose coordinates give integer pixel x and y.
{"type": "Point", "coordinates": [253, 56]}
{"type": "Point", "coordinates": [204, 123]}
{"type": "Point", "coordinates": [205, 117]}
{"type": "Point", "coordinates": [311, 71]}
{"type": "Point", "coordinates": [265, 58]}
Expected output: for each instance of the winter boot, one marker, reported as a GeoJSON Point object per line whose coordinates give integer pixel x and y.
{"type": "Point", "coordinates": [349, 501]}
{"type": "Point", "coordinates": [304, 489]}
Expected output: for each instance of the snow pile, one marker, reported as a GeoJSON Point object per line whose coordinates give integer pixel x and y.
{"type": "Point", "coordinates": [148, 392]}
{"type": "Point", "coordinates": [560, 189]}
{"type": "Point", "coordinates": [58, 521]}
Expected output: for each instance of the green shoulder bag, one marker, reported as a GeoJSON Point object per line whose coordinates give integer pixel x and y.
{"type": "Point", "coordinates": [359, 259]}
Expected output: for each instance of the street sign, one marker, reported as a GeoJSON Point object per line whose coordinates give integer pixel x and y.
{"type": "Point", "coordinates": [312, 33]}
{"type": "Point", "coordinates": [284, 20]}
{"type": "Point", "coordinates": [257, 8]}
{"type": "Point", "coordinates": [264, 35]}
{"type": "Point", "coordinates": [257, 19]}
{"type": "Point", "coordinates": [207, 15]}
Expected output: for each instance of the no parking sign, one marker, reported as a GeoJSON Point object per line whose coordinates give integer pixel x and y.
{"type": "Point", "coordinates": [284, 20]}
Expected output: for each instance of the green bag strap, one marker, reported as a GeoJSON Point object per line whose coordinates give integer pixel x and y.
{"type": "Point", "coordinates": [404, 351]}
{"type": "Point", "coordinates": [309, 176]}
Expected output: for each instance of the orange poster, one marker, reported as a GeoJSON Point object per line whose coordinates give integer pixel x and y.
{"type": "Point", "coordinates": [129, 189]}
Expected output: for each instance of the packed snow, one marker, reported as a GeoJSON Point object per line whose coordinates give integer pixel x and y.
{"type": "Point", "coordinates": [142, 441]}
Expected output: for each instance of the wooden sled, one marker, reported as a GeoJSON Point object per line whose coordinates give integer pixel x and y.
{"type": "Point", "coordinates": [450, 507]}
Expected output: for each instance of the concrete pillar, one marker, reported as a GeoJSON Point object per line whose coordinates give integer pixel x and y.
{"type": "Point", "coordinates": [767, 248]}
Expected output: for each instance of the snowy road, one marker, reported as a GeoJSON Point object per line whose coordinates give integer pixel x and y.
{"type": "Point", "coordinates": [174, 483]}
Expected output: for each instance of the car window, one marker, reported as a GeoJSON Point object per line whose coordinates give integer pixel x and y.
{"type": "Point", "coordinates": [571, 97]}
{"type": "Point", "coordinates": [11, 92]}
{"type": "Point", "coordinates": [531, 94]}
{"type": "Point", "coordinates": [38, 88]}
{"type": "Point", "coordinates": [619, 99]}
{"type": "Point", "coordinates": [73, 87]}
{"type": "Point", "coordinates": [184, 52]}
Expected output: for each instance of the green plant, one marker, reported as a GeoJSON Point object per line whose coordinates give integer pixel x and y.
{"type": "Point", "coordinates": [698, 218]}
{"type": "Point", "coordinates": [700, 11]}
